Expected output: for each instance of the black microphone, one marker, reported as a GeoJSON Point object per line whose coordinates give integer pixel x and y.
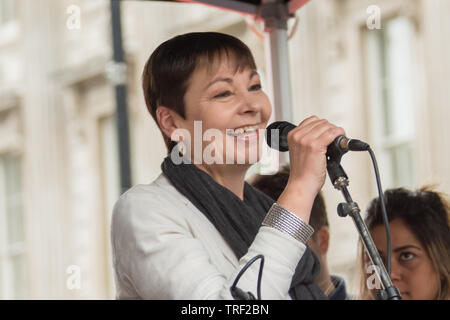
{"type": "Point", "coordinates": [335, 150]}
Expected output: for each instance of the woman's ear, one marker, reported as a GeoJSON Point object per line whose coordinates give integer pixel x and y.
{"type": "Point", "coordinates": [167, 119]}
{"type": "Point", "coordinates": [323, 239]}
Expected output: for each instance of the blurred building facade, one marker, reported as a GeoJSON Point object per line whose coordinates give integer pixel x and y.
{"type": "Point", "coordinates": [386, 83]}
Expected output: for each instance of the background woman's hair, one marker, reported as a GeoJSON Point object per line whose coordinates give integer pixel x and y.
{"type": "Point", "coordinates": [167, 72]}
{"type": "Point", "coordinates": [426, 213]}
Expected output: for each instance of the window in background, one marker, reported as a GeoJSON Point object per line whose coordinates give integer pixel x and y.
{"type": "Point", "coordinates": [388, 61]}
{"type": "Point", "coordinates": [7, 11]}
{"type": "Point", "coordinates": [13, 273]}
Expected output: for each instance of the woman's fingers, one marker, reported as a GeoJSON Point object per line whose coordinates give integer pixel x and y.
{"type": "Point", "coordinates": [327, 136]}
{"type": "Point", "coordinates": [304, 129]}
{"type": "Point", "coordinates": [315, 134]}
{"type": "Point", "coordinates": [308, 144]}
{"type": "Point", "coordinates": [308, 120]}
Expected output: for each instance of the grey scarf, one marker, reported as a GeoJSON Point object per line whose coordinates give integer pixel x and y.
{"type": "Point", "coordinates": [238, 221]}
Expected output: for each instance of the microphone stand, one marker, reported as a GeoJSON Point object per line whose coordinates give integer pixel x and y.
{"type": "Point", "coordinates": [340, 182]}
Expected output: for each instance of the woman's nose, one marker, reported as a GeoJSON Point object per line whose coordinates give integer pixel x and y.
{"type": "Point", "coordinates": [249, 105]}
{"type": "Point", "coordinates": [395, 271]}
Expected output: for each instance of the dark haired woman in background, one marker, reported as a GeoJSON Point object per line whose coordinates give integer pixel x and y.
{"type": "Point", "coordinates": [188, 234]}
{"type": "Point", "coordinates": [420, 240]}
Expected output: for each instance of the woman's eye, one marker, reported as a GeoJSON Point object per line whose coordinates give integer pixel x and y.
{"type": "Point", "coordinates": [406, 256]}
{"type": "Point", "coordinates": [223, 94]}
{"type": "Point", "coordinates": [255, 87]}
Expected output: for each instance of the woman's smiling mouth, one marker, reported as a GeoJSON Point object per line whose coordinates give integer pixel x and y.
{"type": "Point", "coordinates": [242, 131]}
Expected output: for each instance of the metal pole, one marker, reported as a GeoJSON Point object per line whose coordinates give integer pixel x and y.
{"type": "Point", "coordinates": [117, 75]}
{"type": "Point", "coordinates": [275, 14]}
{"type": "Point", "coordinates": [340, 182]}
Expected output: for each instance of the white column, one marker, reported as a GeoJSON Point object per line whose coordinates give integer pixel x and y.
{"type": "Point", "coordinates": [44, 152]}
{"type": "Point", "coordinates": [434, 130]}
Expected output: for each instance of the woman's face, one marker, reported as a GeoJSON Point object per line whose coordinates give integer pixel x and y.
{"type": "Point", "coordinates": [412, 271]}
{"type": "Point", "coordinates": [233, 111]}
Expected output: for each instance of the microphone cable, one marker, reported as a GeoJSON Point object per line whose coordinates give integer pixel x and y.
{"type": "Point", "coordinates": [383, 210]}
{"type": "Point", "coordinates": [239, 294]}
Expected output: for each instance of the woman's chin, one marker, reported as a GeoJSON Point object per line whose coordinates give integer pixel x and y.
{"type": "Point", "coordinates": [250, 155]}
{"type": "Point", "coordinates": [244, 149]}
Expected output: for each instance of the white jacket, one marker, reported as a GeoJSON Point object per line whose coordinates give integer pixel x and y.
{"type": "Point", "coordinates": [165, 248]}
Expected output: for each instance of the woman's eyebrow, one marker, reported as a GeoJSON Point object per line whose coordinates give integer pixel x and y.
{"type": "Point", "coordinates": [406, 247]}
{"type": "Point", "coordinates": [229, 80]}
{"type": "Point", "coordinates": [254, 73]}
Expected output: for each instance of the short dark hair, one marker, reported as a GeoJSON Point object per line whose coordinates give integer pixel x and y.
{"type": "Point", "coordinates": [426, 213]}
{"type": "Point", "coordinates": [273, 186]}
{"type": "Point", "coordinates": [167, 72]}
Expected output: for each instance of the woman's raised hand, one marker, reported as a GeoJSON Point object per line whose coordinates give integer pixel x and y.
{"type": "Point", "coordinates": [307, 149]}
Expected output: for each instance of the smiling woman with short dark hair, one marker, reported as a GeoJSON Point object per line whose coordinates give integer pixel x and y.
{"type": "Point", "coordinates": [187, 234]}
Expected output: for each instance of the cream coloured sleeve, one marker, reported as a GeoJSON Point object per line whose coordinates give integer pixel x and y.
{"type": "Point", "coordinates": [161, 259]}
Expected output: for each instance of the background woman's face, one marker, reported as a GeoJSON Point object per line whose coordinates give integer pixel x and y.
{"type": "Point", "coordinates": [234, 104]}
{"type": "Point", "coordinates": [412, 270]}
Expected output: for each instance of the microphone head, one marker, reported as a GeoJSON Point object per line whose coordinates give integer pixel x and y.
{"type": "Point", "coordinates": [337, 149]}
{"type": "Point", "coordinates": [278, 140]}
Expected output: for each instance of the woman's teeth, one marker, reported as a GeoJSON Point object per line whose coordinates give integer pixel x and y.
{"type": "Point", "coordinates": [242, 130]}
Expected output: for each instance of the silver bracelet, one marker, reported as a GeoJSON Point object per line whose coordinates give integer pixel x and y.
{"type": "Point", "coordinates": [287, 222]}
